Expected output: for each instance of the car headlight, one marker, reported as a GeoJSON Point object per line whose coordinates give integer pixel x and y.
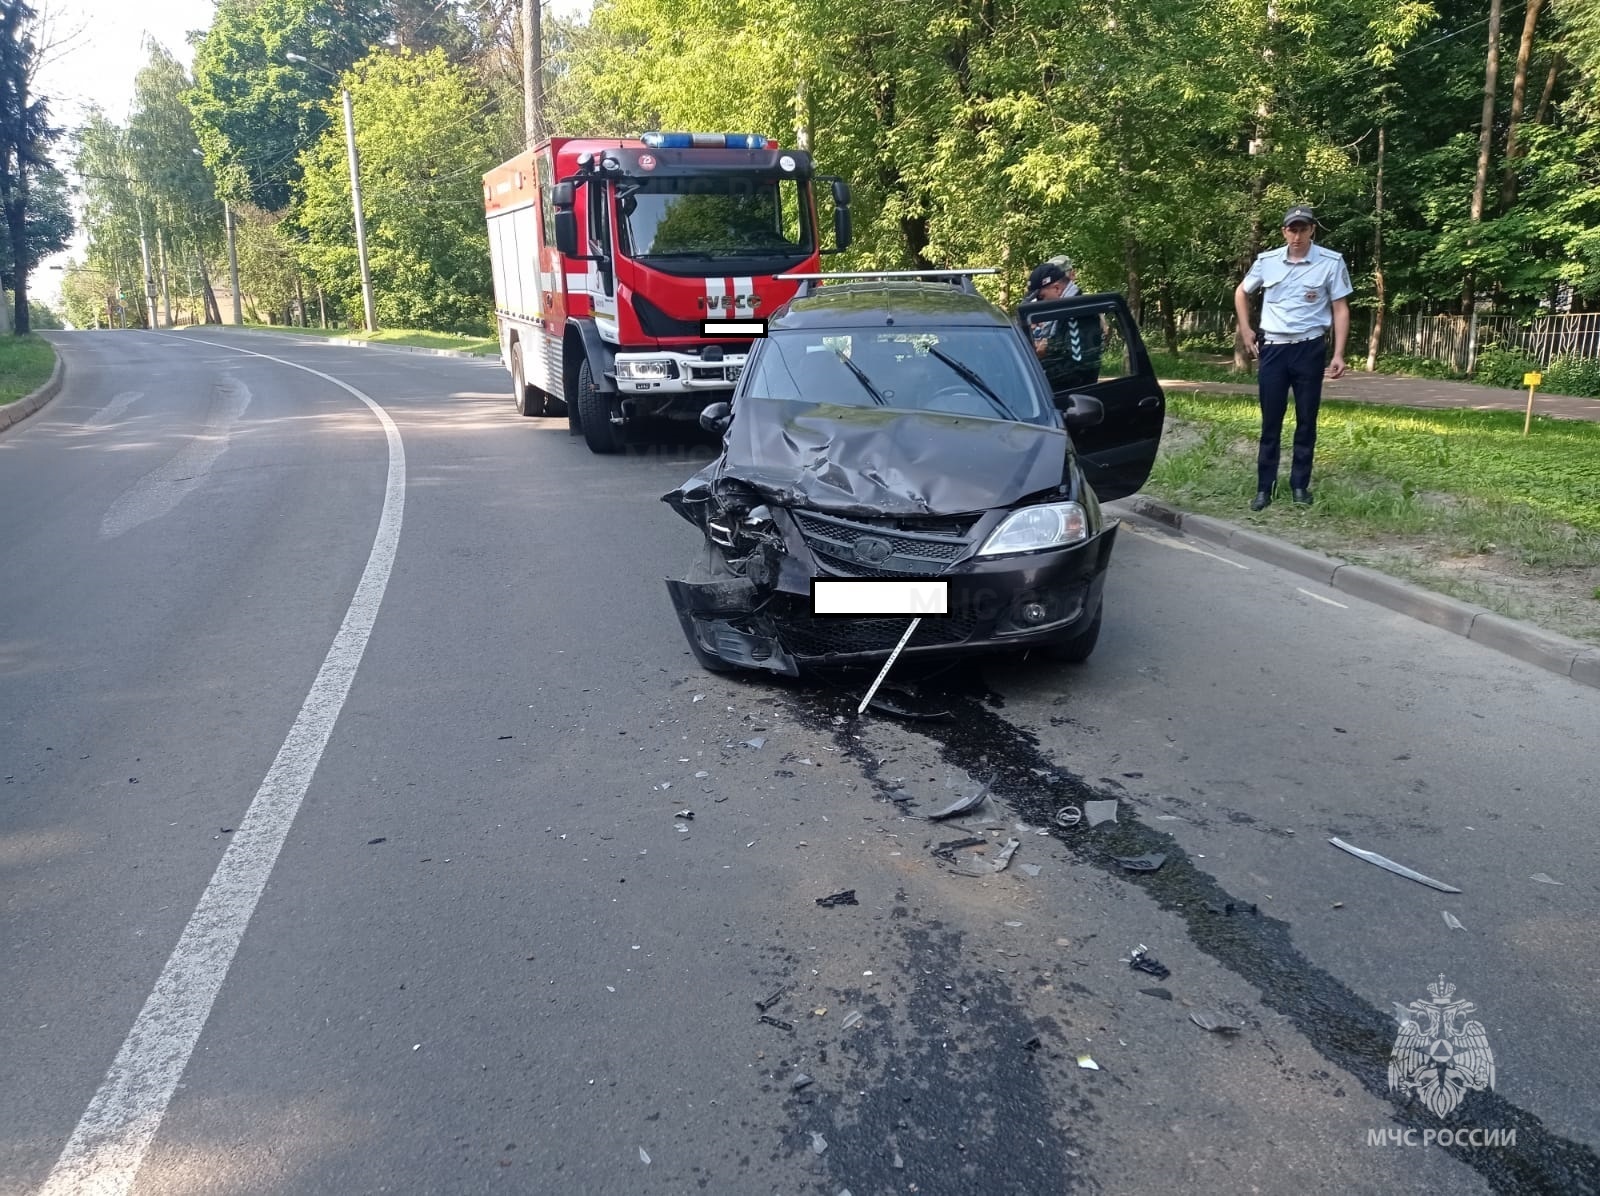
{"type": "Point", "coordinates": [1051, 525]}
{"type": "Point", "coordinates": [640, 371]}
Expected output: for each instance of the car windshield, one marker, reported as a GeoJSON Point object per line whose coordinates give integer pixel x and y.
{"type": "Point", "coordinates": [970, 371]}
{"type": "Point", "coordinates": [713, 217]}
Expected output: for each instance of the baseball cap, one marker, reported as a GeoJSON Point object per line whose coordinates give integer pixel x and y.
{"type": "Point", "coordinates": [1044, 274]}
{"type": "Point", "coordinates": [1299, 212]}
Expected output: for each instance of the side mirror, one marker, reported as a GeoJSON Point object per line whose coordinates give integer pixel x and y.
{"type": "Point", "coordinates": [841, 193]}
{"type": "Point", "coordinates": [567, 230]}
{"type": "Point", "coordinates": [841, 229]}
{"type": "Point", "coordinates": [563, 195]}
{"type": "Point", "coordinates": [1086, 411]}
{"type": "Point", "coordinates": [716, 418]}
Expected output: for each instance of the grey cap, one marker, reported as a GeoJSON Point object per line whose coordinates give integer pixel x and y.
{"type": "Point", "coordinates": [1063, 261]}
{"type": "Point", "coordinates": [1298, 212]}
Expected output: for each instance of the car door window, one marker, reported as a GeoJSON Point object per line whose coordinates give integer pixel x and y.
{"type": "Point", "coordinates": [1081, 349]}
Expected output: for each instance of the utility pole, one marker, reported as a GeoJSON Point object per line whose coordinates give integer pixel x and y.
{"type": "Point", "coordinates": [355, 200]}
{"type": "Point", "coordinates": [532, 75]}
{"type": "Point", "coordinates": [233, 265]}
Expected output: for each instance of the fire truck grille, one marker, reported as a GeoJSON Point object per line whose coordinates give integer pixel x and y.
{"type": "Point", "coordinates": [715, 373]}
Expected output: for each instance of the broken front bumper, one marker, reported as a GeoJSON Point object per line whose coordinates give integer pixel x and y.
{"type": "Point", "coordinates": [1002, 604]}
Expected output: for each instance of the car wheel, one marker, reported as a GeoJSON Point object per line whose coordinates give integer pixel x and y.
{"type": "Point", "coordinates": [594, 412]}
{"type": "Point", "coordinates": [1081, 646]}
{"type": "Point", "coordinates": [528, 400]}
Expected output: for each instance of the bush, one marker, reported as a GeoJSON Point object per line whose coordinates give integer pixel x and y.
{"type": "Point", "coordinates": [40, 316]}
{"type": "Point", "coordinates": [1416, 367]}
{"type": "Point", "coordinates": [1572, 376]}
{"type": "Point", "coordinates": [1500, 366]}
{"type": "Point", "coordinates": [1205, 344]}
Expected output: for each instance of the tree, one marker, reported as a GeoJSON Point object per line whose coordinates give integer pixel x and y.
{"type": "Point", "coordinates": [425, 132]}
{"type": "Point", "coordinates": [25, 136]}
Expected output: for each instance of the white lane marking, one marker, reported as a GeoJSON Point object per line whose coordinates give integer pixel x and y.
{"type": "Point", "coordinates": [114, 409]}
{"type": "Point", "coordinates": [1169, 542]}
{"type": "Point", "coordinates": [105, 1150]}
{"type": "Point", "coordinates": [163, 488]}
{"type": "Point", "coordinates": [1320, 598]}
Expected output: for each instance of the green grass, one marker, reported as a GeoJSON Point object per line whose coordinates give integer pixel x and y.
{"type": "Point", "coordinates": [1439, 496]}
{"type": "Point", "coordinates": [1192, 368]}
{"type": "Point", "coordinates": [25, 365]}
{"type": "Point", "coordinates": [418, 338]}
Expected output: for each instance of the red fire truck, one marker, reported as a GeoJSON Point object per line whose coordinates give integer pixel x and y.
{"type": "Point", "coordinates": [630, 275]}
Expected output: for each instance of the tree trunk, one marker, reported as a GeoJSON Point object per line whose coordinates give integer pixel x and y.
{"type": "Point", "coordinates": [1491, 75]}
{"type": "Point", "coordinates": [213, 312]}
{"type": "Point", "coordinates": [532, 75]}
{"type": "Point", "coordinates": [322, 307]}
{"type": "Point", "coordinates": [1549, 89]}
{"type": "Point", "coordinates": [1169, 317]}
{"type": "Point", "coordinates": [17, 225]}
{"type": "Point", "coordinates": [1130, 264]}
{"type": "Point", "coordinates": [1519, 88]}
{"type": "Point", "coordinates": [299, 303]}
{"type": "Point", "coordinates": [166, 281]}
{"type": "Point", "coordinates": [1376, 337]}
{"type": "Point", "coordinates": [802, 114]}
{"type": "Point", "coordinates": [1242, 361]}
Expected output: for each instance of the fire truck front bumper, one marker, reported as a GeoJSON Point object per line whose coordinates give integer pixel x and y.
{"type": "Point", "coordinates": [665, 372]}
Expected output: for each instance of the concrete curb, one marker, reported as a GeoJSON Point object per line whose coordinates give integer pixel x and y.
{"type": "Point", "coordinates": [13, 413]}
{"type": "Point", "coordinates": [348, 343]}
{"type": "Point", "coordinates": [1533, 645]}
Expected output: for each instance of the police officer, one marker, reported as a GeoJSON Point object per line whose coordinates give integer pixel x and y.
{"type": "Point", "coordinates": [1305, 292]}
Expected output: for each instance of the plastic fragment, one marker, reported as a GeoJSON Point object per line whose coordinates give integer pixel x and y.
{"type": "Point", "coordinates": [1006, 852]}
{"type": "Point", "coordinates": [1033, 1044]}
{"type": "Point", "coordinates": [1031, 869]}
{"type": "Point", "coordinates": [888, 705]}
{"type": "Point", "coordinates": [1100, 811]}
{"type": "Point", "coordinates": [684, 814]}
{"type": "Point", "coordinates": [770, 1001]}
{"type": "Point", "coordinates": [1141, 962]}
{"type": "Point", "coordinates": [1453, 922]}
{"type": "Point", "coordinates": [964, 805]}
{"type": "Point", "coordinates": [1545, 880]}
{"type": "Point", "coordinates": [842, 897]}
{"type": "Point", "coordinates": [1213, 1024]}
{"type": "Point", "coordinates": [818, 1142]}
{"type": "Point", "coordinates": [1148, 862]}
{"type": "Point", "coordinates": [801, 1080]}
{"type": "Point", "coordinates": [898, 1164]}
{"type": "Point", "coordinates": [643, 1157]}
{"type": "Point", "coordinates": [1384, 862]}
{"type": "Point", "coordinates": [1087, 1063]}
{"type": "Point", "coordinates": [852, 1018]}
{"type": "Point", "coordinates": [776, 1021]}
{"type": "Point", "coordinates": [1160, 994]}
{"type": "Point", "coordinates": [1069, 816]}
{"type": "Point", "coordinates": [698, 698]}
{"type": "Point", "coordinates": [758, 742]}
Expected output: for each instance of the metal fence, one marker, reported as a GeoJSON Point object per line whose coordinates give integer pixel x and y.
{"type": "Point", "coordinates": [1455, 340]}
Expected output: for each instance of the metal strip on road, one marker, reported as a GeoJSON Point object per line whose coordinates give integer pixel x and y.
{"type": "Point", "coordinates": [107, 1147]}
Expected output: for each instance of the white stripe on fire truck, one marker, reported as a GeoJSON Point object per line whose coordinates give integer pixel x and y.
{"type": "Point", "coordinates": [743, 288]}
{"type": "Point", "coordinates": [577, 282]}
{"type": "Point", "coordinates": [716, 289]}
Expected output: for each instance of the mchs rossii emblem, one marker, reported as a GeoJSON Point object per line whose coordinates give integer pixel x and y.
{"type": "Point", "coordinates": [1440, 1055]}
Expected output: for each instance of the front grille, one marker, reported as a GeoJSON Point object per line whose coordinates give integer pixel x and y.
{"type": "Point", "coordinates": [715, 373]}
{"type": "Point", "coordinates": [833, 543]}
{"type": "Point", "coordinates": [808, 636]}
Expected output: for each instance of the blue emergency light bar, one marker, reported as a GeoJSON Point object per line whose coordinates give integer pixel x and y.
{"type": "Point", "coordinates": [707, 141]}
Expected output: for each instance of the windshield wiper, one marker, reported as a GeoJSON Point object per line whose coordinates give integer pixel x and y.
{"type": "Point", "coordinates": [865, 381]}
{"type": "Point", "coordinates": [971, 375]}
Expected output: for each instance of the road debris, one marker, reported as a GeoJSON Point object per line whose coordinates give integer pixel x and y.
{"type": "Point", "coordinates": [1541, 878]}
{"type": "Point", "coordinates": [818, 1142]}
{"type": "Point", "coordinates": [1006, 852]}
{"type": "Point", "coordinates": [770, 1001]}
{"type": "Point", "coordinates": [842, 897]}
{"type": "Point", "coordinates": [1033, 1044]}
{"type": "Point", "coordinates": [1148, 862]}
{"type": "Point", "coordinates": [698, 698]}
{"type": "Point", "coordinates": [887, 665]}
{"type": "Point", "coordinates": [643, 1157]}
{"type": "Point", "coordinates": [1100, 811]}
{"type": "Point", "coordinates": [1031, 869]}
{"type": "Point", "coordinates": [758, 742]}
{"type": "Point", "coordinates": [1141, 962]}
{"type": "Point", "coordinates": [900, 702]}
{"type": "Point", "coordinates": [1069, 816]}
{"type": "Point", "coordinates": [963, 805]}
{"type": "Point", "coordinates": [1087, 1063]}
{"type": "Point", "coordinates": [686, 814]}
{"type": "Point", "coordinates": [1453, 922]}
{"type": "Point", "coordinates": [777, 1021]}
{"type": "Point", "coordinates": [1212, 1023]}
{"type": "Point", "coordinates": [375, 842]}
{"type": "Point", "coordinates": [852, 1018]}
{"type": "Point", "coordinates": [1160, 994]}
{"type": "Point", "coordinates": [1373, 857]}
{"type": "Point", "coordinates": [801, 1080]}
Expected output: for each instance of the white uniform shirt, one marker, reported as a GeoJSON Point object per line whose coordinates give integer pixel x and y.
{"type": "Point", "coordinates": [1297, 297]}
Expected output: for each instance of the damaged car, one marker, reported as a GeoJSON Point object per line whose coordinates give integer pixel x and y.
{"type": "Point", "coordinates": [888, 429]}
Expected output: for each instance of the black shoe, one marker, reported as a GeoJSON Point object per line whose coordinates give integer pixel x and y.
{"type": "Point", "coordinates": [1302, 496]}
{"type": "Point", "coordinates": [1262, 498]}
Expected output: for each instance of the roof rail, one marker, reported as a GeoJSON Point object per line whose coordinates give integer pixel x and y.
{"type": "Point", "coordinates": [810, 282]}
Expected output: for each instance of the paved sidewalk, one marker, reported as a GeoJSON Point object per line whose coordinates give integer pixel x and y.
{"type": "Point", "coordinates": [1361, 387]}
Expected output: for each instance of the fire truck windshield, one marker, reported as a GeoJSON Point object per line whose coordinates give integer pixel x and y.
{"type": "Point", "coordinates": [714, 217]}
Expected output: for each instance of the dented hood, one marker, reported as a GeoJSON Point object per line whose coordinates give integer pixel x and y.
{"type": "Point", "coordinates": [879, 461]}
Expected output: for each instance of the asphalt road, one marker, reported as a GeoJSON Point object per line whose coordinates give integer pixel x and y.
{"type": "Point", "coordinates": [398, 713]}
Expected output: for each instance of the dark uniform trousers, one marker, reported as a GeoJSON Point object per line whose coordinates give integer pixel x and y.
{"type": "Point", "coordinates": [1284, 367]}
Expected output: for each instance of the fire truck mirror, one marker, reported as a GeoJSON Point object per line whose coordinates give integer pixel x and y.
{"type": "Point", "coordinates": [567, 230]}
{"type": "Point", "coordinates": [563, 195]}
{"type": "Point", "coordinates": [841, 193]}
{"type": "Point", "coordinates": [841, 229]}
{"type": "Point", "coordinates": [716, 418]}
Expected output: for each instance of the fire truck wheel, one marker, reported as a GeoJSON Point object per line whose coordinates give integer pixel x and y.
{"type": "Point", "coordinates": [528, 400]}
{"type": "Point", "coordinates": [594, 412]}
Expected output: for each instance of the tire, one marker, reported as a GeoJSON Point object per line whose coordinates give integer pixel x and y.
{"type": "Point", "coordinates": [594, 412]}
{"type": "Point", "coordinates": [1081, 646]}
{"type": "Point", "coordinates": [528, 400]}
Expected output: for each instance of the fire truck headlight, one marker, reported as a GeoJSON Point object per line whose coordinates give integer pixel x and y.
{"type": "Point", "coordinates": [641, 371]}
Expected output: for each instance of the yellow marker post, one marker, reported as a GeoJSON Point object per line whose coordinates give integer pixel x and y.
{"type": "Point", "coordinates": [1531, 380]}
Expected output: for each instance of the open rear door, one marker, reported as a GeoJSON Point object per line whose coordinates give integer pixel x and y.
{"type": "Point", "coordinates": [1089, 345]}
